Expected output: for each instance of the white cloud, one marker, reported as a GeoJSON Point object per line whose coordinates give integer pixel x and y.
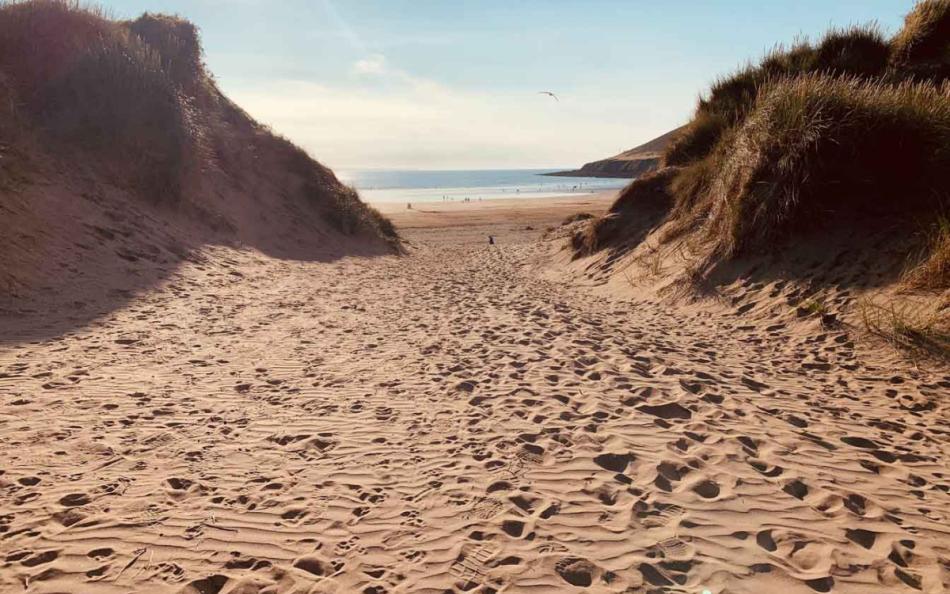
{"type": "Point", "coordinates": [371, 65]}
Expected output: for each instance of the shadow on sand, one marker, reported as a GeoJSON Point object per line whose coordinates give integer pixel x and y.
{"type": "Point", "coordinates": [72, 260]}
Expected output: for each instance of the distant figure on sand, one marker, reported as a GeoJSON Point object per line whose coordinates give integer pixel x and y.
{"type": "Point", "coordinates": [491, 240]}
{"type": "Point", "coordinates": [409, 205]}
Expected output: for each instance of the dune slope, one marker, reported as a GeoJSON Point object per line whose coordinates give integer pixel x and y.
{"type": "Point", "coordinates": [121, 158]}
{"type": "Point", "coordinates": [844, 142]}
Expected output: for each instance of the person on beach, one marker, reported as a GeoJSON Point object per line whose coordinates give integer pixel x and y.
{"type": "Point", "coordinates": [491, 240]}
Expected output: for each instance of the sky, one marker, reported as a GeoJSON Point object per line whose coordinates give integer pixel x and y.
{"type": "Point", "coordinates": [454, 84]}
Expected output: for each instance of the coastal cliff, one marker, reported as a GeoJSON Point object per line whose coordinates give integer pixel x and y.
{"type": "Point", "coordinates": [628, 164]}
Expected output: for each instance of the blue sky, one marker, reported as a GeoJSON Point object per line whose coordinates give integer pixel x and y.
{"type": "Point", "coordinates": [447, 84]}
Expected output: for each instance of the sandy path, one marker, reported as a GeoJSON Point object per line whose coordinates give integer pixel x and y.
{"type": "Point", "coordinates": [447, 421]}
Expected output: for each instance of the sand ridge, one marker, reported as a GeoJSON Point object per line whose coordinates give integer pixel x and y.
{"type": "Point", "coordinates": [451, 421]}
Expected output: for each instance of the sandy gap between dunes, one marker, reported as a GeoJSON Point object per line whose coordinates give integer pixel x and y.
{"type": "Point", "coordinates": [450, 421]}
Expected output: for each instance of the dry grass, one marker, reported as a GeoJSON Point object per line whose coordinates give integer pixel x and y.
{"type": "Point", "coordinates": [351, 216]}
{"type": "Point", "coordinates": [652, 261]}
{"type": "Point", "coordinates": [592, 237]}
{"type": "Point", "coordinates": [646, 267]}
{"type": "Point", "coordinates": [341, 205]}
{"type": "Point", "coordinates": [817, 149]}
{"type": "Point", "coordinates": [933, 268]}
{"type": "Point", "coordinates": [697, 139]}
{"type": "Point", "coordinates": [815, 136]}
{"type": "Point", "coordinates": [856, 51]}
{"type": "Point", "coordinates": [176, 41]}
{"type": "Point", "coordinates": [576, 218]}
{"type": "Point", "coordinates": [690, 188]}
{"type": "Point", "coordinates": [922, 46]}
{"type": "Point", "coordinates": [918, 330]}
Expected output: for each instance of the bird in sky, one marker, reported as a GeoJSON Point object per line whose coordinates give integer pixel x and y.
{"type": "Point", "coordinates": [549, 93]}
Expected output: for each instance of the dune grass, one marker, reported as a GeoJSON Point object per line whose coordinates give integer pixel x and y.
{"type": "Point", "coordinates": [856, 51]}
{"type": "Point", "coordinates": [133, 99]}
{"type": "Point", "coordinates": [640, 206]}
{"type": "Point", "coordinates": [922, 47]}
{"type": "Point", "coordinates": [176, 42]}
{"type": "Point", "coordinates": [921, 332]}
{"type": "Point", "coordinates": [932, 268]}
{"type": "Point", "coordinates": [340, 205]}
{"type": "Point", "coordinates": [350, 215]}
{"type": "Point", "coordinates": [818, 148]}
{"type": "Point", "coordinates": [88, 84]}
{"type": "Point", "coordinates": [576, 218]}
{"type": "Point", "coordinates": [814, 136]}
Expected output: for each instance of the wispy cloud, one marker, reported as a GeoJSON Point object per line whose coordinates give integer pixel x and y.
{"type": "Point", "coordinates": [382, 115]}
{"type": "Point", "coordinates": [371, 65]}
{"type": "Point", "coordinates": [340, 24]}
{"type": "Point", "coordinates": [414, 122]}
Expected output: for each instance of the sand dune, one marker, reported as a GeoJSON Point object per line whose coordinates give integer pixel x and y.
{"type": "Point", "coordinates": [121, 158]}
{"type": "Point", "coordinates": [452, 421]}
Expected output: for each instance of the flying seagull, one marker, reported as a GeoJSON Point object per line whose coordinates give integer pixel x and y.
{"type": "Point", "coordinates": [549, 93]}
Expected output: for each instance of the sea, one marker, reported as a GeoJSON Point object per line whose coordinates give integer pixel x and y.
{"type": "Point", "coordinates": [378, 185]}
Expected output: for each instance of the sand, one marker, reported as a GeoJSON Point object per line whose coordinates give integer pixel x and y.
{"type": "Point", "coordinates": [454, 420]}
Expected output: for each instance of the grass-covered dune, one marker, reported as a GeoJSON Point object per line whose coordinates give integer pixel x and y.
{"type": "Point", "coordinates": [854, 127]}
{"type": "Point", "coordinates": [103, 119]}
{"type": "Point", "coordinates": [121, 161]}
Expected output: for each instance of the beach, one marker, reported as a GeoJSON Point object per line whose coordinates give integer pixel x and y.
{"type": "Point", "coordinates": [374, 298]}
{"type": "Point", "coordinates": [471, 222]}
{"type": "Point", "coordinates": [451, 419]}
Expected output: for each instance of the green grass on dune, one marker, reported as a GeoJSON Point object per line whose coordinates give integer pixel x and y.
{"type": "Point", "coordinates": [816, 135]}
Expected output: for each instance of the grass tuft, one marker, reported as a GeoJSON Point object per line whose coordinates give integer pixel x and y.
{"type": "Point", "coordinates": [575, 218]}
{"type": "Point", "coordinates": [176, 42]}
{"type": "Point", "coordinates": [915, 330]}
{"type": "Point", "coordinates": [933, 269]}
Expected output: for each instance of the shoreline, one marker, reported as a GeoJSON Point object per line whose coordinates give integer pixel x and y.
{"type": "Point", "coordinates": [401, 187]}
{"type": "Point", "coordinates": [501, 211]}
